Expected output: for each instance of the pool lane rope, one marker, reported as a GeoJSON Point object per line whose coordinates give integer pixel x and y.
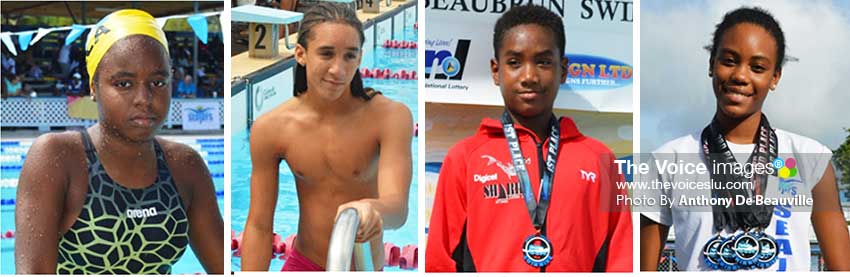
{"type": "Point", "coordinates": [386, 73]}
{"type": "Point", "coordinates": [400, 44]}
{"type": "Point", "coordinates": [406, 257]}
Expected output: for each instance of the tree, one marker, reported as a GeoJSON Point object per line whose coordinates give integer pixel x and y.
{"type": "Point", "coordinates": [841, 159]}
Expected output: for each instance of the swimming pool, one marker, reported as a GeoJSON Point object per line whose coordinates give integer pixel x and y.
{"type": "Point", "coordinates": [11, 158]}
{"type": "Point", "coordinates": [286, 213]}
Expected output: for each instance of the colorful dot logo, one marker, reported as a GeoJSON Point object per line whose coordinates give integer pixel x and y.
{"type": "Point", "coordinates": [787, 168]}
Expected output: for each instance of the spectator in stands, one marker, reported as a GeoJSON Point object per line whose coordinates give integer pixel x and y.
{"type": "Point", "coordinates": [74, 86]}
{"type": "Point", "coordinates": [215, 86]}
{"type": "Point", "coordinates": [200, 72]}
{"type": "Point", "coordinates": [174, 80]}
{"type": "Point", "coordinates": [181, 72]}
{"type": "Point", "coordinates": [187, 88]}
{"type": "Point", "coordinates": [14, 86]}
{"type": "Point", "coordinates": [183, 60]}
{"type": "Point", "coordinates": [34, 71]}
{"type": "Point", "coordinates": [177, 74]}
{"type": "Point", "coordinates": [8, 63]}
{"type": "Point", "coordinates": [64, 59]}
{"type": "Point", "coordinates": [59, 88]}
{"type": "Point", "coordinates": [75, 65]}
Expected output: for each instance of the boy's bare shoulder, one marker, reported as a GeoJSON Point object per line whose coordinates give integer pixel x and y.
{"type": "Point", "coordinates": [279, 118]}
{"type": "Point", "coordinates": [386, 108]}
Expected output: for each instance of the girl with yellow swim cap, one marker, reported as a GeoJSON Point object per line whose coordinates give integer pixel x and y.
{"type": "Point", "coordinates": [114, 198]}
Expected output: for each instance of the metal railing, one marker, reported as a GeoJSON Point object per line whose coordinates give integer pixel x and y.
{"type": "Point", "coordinates": [342, 246]}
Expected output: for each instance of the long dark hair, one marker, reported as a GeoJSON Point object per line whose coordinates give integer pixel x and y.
{"type": "Point", "coordinates": [321, 13]}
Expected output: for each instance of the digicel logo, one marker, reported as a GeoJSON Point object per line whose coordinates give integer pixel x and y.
{"type": "Point", "coordinates": [484, 178]}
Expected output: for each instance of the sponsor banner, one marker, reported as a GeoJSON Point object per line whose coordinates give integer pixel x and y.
{"type": "Point", "coordinates": [271, 92]}
{"type": "Point", "coordinates": [238, 111]}
{"type": "Point", "coordinates": [598, 45]}
{"type": "Point", "coordinates": [368, 59]}
{"type": "Point", "coordinates": [384, 31]}
{"type": "Point", "coordinates": [410, 15]}
{"type": "Point", "coordinates": [201, 115]}
{"type": "Point", "coordinates": [398, 26]}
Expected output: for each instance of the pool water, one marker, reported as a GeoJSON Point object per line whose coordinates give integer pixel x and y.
{"type": "Point", "coordinates": [210, 148]}
{"type": "Point", "coordinates": [286, 214]}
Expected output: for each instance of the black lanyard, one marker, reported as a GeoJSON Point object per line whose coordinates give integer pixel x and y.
{"type": "Point", "coordinates": [716, 150]}
{"type": "Point", "coordinates": [536, 209]}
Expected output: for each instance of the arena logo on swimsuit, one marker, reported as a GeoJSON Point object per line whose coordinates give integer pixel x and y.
{"type": "Point", "coordinates": [587, 72]}
{"type": "Point", "coordinates": [141, 213]}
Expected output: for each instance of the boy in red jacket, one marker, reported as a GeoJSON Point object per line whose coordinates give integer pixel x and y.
{"type": "Point", "coordinates": [529, 192]}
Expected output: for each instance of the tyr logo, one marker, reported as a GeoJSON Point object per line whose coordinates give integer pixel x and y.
{"type": "Point", "coordinates": [588, 176]}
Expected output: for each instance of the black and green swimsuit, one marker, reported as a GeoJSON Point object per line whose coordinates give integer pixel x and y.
{"type": "Point", "coordinates": [122, 230]}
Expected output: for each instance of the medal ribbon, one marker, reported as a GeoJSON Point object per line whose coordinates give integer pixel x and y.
{"type": "Point", "coordinates": [536, 209]}
{"type": "Point", "coordinates": [716, 151]}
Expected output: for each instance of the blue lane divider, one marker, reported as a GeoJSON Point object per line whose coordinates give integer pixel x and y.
{"type": "Point", "coordinates": [208, 147]}
{"type": "Point", "coordinates": [11, 201]}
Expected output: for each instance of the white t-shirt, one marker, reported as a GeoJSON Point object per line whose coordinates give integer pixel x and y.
{"type": "Point", "coordinates": [64, 54]}
{"type": "Point", "coordinates": [693, 227]}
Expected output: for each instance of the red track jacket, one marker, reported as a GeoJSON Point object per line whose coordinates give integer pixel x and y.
{"type": "Point", "coordinates": [479, 219]}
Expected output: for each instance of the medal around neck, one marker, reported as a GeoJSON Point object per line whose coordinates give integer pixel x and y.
{"type": "Point", "coordinates": [711, 252]}
{"type": "Point", "coordinates": [750, 250]}
{"type": "Point", "coordinates": [727, 255]}
{"type": "Point", "coordinates": [749, 247]}
{"type": "Point", "coordinates": [768, 250]}
{"type": "Point", "coordinates": [746, 248]}
{"type": "Point", "coordinates": [537, 250]}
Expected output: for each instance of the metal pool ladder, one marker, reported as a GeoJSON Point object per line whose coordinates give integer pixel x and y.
{"type": "Point", "coordinates": [342, 245]}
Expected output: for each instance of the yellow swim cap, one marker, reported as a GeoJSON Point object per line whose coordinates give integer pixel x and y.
{"type": "Point", "coordinates": [115, 26]}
